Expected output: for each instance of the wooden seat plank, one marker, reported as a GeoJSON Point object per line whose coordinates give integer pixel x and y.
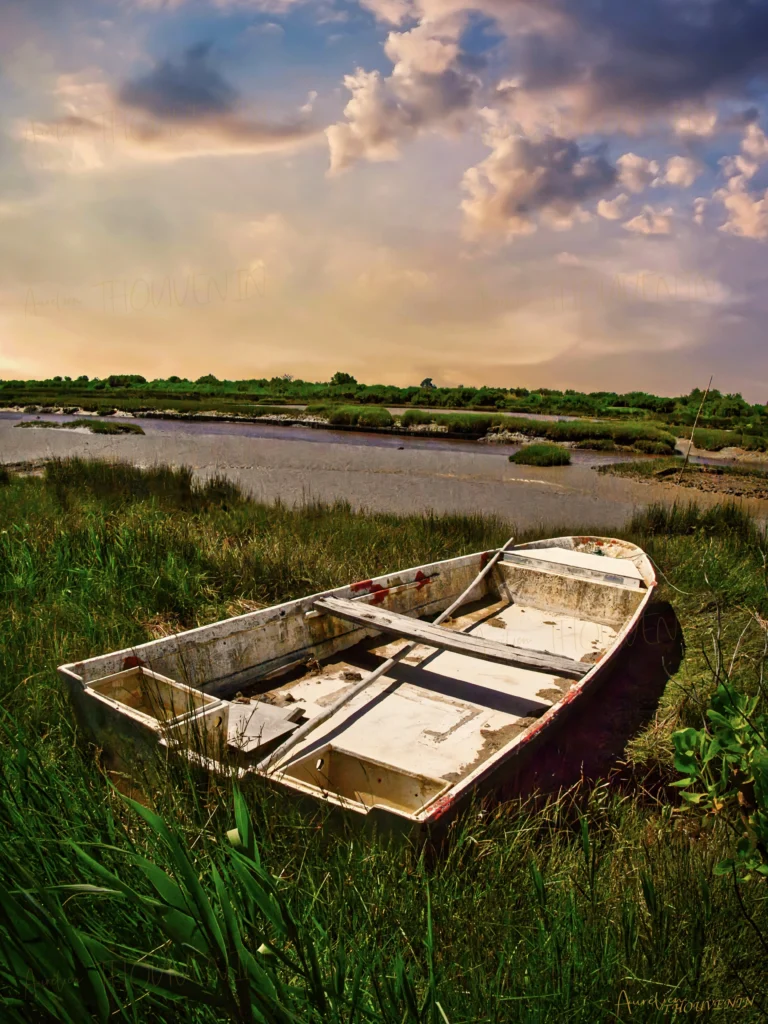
{"type": "Point", "coordinates": [616, 579]}
{"type": "Point", "coordinates": [451, 640]}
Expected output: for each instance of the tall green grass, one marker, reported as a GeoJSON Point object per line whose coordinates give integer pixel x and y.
{"type": "Point", "coordinates": [158, 910]}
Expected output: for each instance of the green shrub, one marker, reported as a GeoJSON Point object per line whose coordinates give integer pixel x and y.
{"type": "Point", "coordinates": [374, 416]}
{"type": "Point", "coordinates": [541, 455]}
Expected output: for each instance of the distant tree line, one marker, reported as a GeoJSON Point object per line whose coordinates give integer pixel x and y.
{"type": "Point", "coordinates": [720, 410]}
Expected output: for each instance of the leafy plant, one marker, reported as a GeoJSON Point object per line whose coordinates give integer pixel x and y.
{"type": "Point", "coordinates": [725, 769]}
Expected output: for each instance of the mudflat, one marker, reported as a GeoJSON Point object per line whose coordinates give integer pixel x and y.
{"type": "Point", "coordinates": [384, 479]}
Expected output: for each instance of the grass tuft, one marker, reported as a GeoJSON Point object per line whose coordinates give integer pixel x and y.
{"type": "Point", "coordinates": [541, 455]}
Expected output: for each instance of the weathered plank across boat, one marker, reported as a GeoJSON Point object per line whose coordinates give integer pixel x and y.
{"type": "Point", "coordinates": [450, 640]}
{"type": "Point", "coordinates": [355, 698]}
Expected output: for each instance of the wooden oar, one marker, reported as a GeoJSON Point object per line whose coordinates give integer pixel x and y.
{"type": "Point", "coordinates": [326, 713]}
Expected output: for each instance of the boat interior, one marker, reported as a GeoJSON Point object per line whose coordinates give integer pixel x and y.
{"type": "Point", "coordinates": [467, 689]}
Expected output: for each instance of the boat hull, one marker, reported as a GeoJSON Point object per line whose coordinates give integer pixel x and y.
{"type": "Point", "coordinates": [453, 723]}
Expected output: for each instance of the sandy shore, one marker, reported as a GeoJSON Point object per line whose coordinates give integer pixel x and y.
{"type": "Point", "coordinates": [383, 479]}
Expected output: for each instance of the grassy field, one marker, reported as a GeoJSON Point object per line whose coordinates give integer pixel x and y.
{"type": "Point", "coordinates": [541, 455]}
{"type": "Point", "coordinates": [585, 907]}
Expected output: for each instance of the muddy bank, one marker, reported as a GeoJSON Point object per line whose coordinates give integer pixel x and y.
{"type": "Point", "coordinates": [295, 418]}
{"type": "Point", "coordinates": [724, 455]}
{"type": "Point", "coordinates": [725, 482]}
{"type": "Point", "coordinates": [383, 478]}
{"type": "Point", "coordinates": [298, 417]}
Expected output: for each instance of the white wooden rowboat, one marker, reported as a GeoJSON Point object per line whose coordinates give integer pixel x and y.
{"type": "Point", "coordinates": [359, 699]}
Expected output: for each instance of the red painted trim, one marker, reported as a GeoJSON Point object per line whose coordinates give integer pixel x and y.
{"type": "Point", "coordinates": [379, 593]}
{"type": "Point", "coordinates": [132, 662]}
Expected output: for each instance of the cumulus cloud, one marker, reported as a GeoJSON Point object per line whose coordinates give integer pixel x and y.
{"type": "Point", "coordinates": [755, 143]}
{"type": "Point", "coordinates": [394, 12]}
{"type": "Point", "coordinates": [433, 85]}
{"type": "Point", "coordinates": [602, 64]}
{"type": "Point", "coordinates": [740, 168]}
{"type": "Point", "coordinates": [636, 172]}
{"type": "Point", "coordinates": [573, 67]}
{"type": "Point", "coordinates": [523, 177]}
{"type": "Point", "coordinates": [682, 171]}
{"type": "Point", "coordinates": [651, 222]}
{"type": "Point", "coordinates": [747, 214]}
{"type": "Point", "coordinates": [613, 209]}
{"type": "Point", "coordinates": [699, 209]}
{"type": "Point", "coordinates": [698, 124]}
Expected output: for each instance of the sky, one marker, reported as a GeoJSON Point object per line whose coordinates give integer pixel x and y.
{"type": "Point", "coordinates": [536, 193]}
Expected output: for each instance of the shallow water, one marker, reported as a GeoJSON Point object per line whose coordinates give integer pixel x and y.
{"type": "Point", "coordinates": [384, 472]}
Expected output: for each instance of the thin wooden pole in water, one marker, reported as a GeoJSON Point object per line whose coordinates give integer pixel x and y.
{"type": "Point", "coordinates": [693, 431]}
{"type": "Point", "coordinates": [326, 713]}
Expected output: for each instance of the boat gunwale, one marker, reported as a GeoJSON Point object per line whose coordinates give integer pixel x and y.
{"type": "Point", "coordinates": [262, 616]}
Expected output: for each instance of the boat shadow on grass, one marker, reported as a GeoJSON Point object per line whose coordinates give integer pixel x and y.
{"type": "Point", "coordinates": [592, 743]}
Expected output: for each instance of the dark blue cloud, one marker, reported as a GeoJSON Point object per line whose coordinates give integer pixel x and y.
{"type": "Point", "coordinates": [190, 89]}
{"type": "Point", "coordinates": [650, 54]}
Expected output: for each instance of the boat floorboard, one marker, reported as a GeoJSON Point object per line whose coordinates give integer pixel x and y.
{"type": "Point", "coordinates": [441, 713]}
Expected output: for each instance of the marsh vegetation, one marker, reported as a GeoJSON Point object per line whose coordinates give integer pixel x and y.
{"type": "Point", "coordinates": [95, 426]}
{"type": "Point", "coordinates": [542, 909]}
